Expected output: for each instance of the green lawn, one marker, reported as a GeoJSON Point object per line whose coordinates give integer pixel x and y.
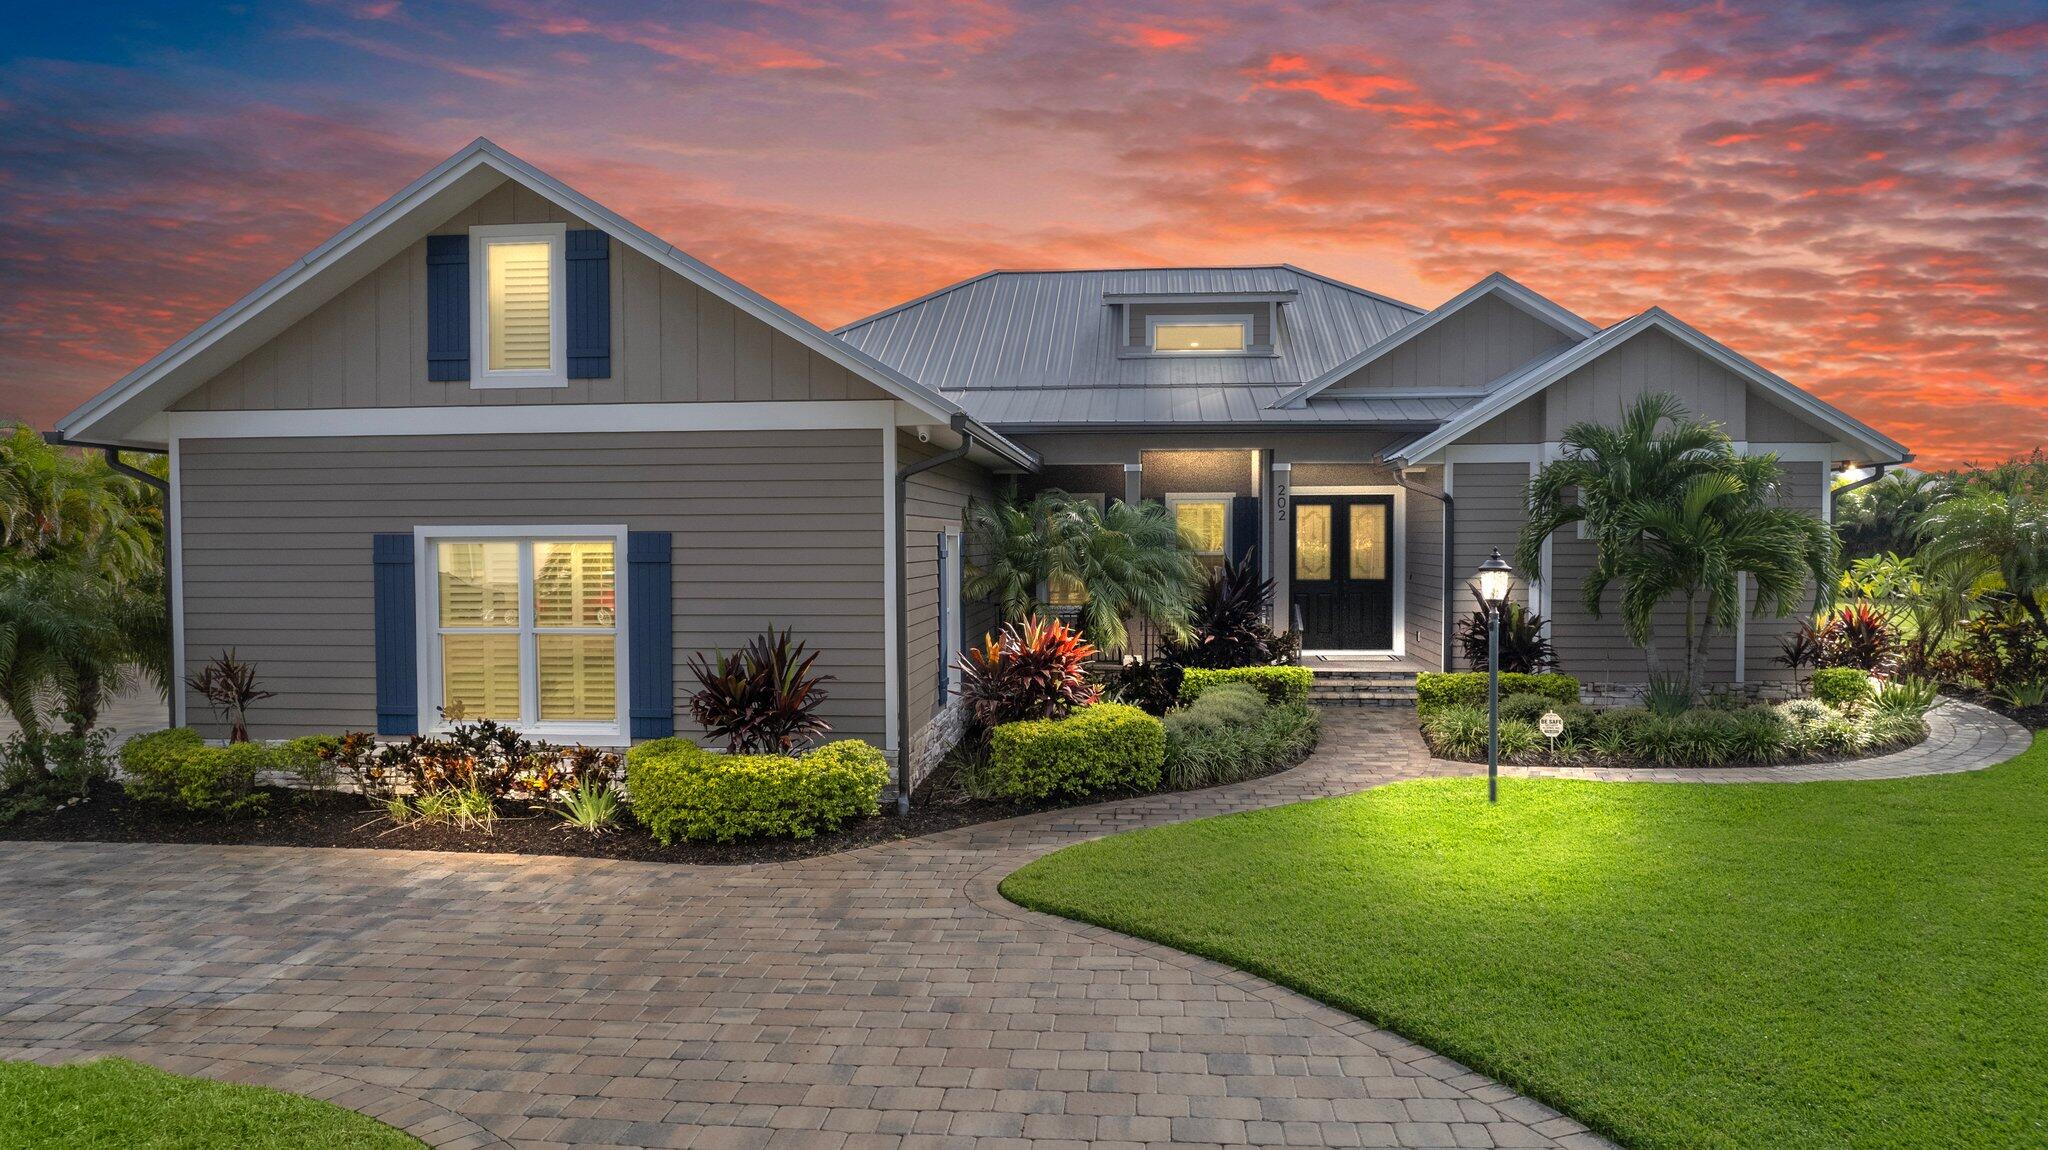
{"type": "Point", "coordinates": [121, 1105]}
{"type": "Point", "coordinates": [1822, 964]}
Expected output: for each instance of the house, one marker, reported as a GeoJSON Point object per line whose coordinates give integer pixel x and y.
{"type": "Point", "coordinates": [495, 451]}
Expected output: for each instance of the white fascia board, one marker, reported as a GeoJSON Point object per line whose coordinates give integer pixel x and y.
{"type": "Point", "coordinates": [468, 173]}
{"type": "Point", "coordinates": [795, 415]}
{"type": "Point", "coordinates": [1495, 283]}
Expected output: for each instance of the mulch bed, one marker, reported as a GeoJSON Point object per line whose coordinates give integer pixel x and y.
{"type": "Point", "coordinates": [2032, 718]}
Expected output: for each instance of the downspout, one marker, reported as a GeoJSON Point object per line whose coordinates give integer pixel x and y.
{"type": "Point", "coordinates": [959, 425]}
{"type": "Point", "coordinates": [113, 454]}
{"type": "Point", "coordinates": [1450, 536]}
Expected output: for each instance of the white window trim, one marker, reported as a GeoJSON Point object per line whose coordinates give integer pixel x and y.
{"type": "Point", "coordinates": [1153, 322]}
{"type": "Point", "coordinates": [1174, 499]}
{"type": "Point", "coordinates": [480, 238]}
{"type": "Point", "coordinates": [1398, 539]}
{"type": "Point", "coordinates": [427, 624]}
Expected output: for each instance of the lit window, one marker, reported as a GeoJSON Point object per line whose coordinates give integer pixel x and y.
{"type": "Point", "coordinates": [518, 318]}
{"type": "Point", "coordinates": [1200, 334]}
{"type": "Point", "coordinates": [526, 631]}
{"type": "Point", "coordinates": [1205, 523]}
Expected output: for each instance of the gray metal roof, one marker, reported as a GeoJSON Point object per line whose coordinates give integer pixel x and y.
{"type": "Point", "coordinates": [1019, 408]}
{"type": "Point", "coordinates": [1050, 336]}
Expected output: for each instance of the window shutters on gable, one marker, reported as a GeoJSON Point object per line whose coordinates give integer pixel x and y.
{"type": "Point", "coordinates": [447, 308]}
{"type": "Point", "coordinates": [589, 259]}
{"type": "Point", "coordinates": [650, 637]}
{"type": "Point", "coordinates": [396, 635]}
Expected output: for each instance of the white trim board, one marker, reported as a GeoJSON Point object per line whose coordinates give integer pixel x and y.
{"type": "Point", "coordinates": [482, 377]}
{"type": "Point", "coordinates": [174, 500]}
{"type": "Point", "coordinates": [794, 415]}
{"type": "Point", "coordinates": [892, 556]}
{"type": "Point", "coordinates": [1398, 537]}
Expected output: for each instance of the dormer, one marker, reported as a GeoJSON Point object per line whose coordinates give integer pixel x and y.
{"type": "Point", "coordinates": [1174, 325]}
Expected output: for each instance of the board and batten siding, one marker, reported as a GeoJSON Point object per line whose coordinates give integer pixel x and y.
{"type": "Point", "coordinates": [936, 501]}
{"type": "Point", "coordinates": [782, 527]}
{"type": "Point", "coordinates": [1649, 361]}
{"type": "Point", "coordinates": [1491, 510]}
{"type": "Point", "coordinates": [1484, 341]}
{"type": "Point", "coordinates": [672, 342]}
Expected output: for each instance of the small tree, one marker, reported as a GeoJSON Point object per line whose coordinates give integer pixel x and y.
{"type": "Point", "coordinates": [230, 686]}
{"type": "Point", "coordinates": [1984, 531]}
{"type": "Point", "coordinates": [1675, 514]}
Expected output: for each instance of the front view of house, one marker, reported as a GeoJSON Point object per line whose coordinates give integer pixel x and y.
{"type": "Point", "coordinates": [494, 451]}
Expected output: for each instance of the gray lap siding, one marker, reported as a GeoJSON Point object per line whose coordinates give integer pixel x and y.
{"type": "Point", "coordinates": [782, 527]}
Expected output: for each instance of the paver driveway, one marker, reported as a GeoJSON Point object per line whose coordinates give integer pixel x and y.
{"type": "Point", "coordinates": [880, 997]}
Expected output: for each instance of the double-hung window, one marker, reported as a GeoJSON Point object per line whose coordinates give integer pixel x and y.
{"type": "Point", "coordinates": [525, 626]}
{"type": "Point", "coordinates": [519, 322]}
{"type": "Point", "coordinates": [1204, 521]}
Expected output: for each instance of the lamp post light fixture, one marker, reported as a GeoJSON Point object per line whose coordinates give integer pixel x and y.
{"type": "Point", "coordinates": [1495, 578]}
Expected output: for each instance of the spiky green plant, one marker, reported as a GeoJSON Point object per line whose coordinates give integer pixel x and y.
{"type": "Point", "coordinates": [1983, 533]}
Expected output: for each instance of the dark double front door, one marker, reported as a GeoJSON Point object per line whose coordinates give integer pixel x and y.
{"type": "Point", "coordinates": [1343, 579]}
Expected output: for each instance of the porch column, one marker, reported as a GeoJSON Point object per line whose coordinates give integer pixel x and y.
{"type": "Point", "coordinates": [1279, 520]}
{"type": "Point", "coordinates": [1134, 483]}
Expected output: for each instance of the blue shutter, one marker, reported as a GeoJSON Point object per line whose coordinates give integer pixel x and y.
{"type": "Point", "coordinates": [397, 644]}
{"type": "Point", "coordinates": [589, 256]}
{"type": "Point", "coordinates": [1244, 526]}
{"type": "Point", "coordinates": [945, 571]}
{"type": "Point", "coordinates": [650, 635]}
{"type": "Point", "coordinates": [447, 308]}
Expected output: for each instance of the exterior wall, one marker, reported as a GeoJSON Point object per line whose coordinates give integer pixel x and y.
{"type": "Point", "coordinates": [1481, 343]}
{"type": "Point", "coordinates": [937, 501]}
{"type": "Point", "coordinates": [1799, 487]}
{"type": "Point", "coordinates": [1168, 472]}
{"type": "Point", "coordinates": [1425, 544]}
{"type": "Point", "coordinates": [780, 527]}
{"type": "Point", "coordinates": [672, 341]}
{"type": "Point", "coordinates": [1649, 361]}
{"type": "Point", "coordinates": [1522, 423]}
{"type": "Point", "coordinates": [1772, 423]}
{"type": "Point", "coordinates": [1491, 511]}
{"type": "Point", "coordinates": [1261, 313]}
{"type": "Point", "coordinates": [1106, 479]}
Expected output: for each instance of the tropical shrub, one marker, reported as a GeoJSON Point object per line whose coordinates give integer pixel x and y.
{"type": "Point", "coordinates": [1456, 730]}
{"type": "Point", "coordinates": [229, 686]}
{"type": "Point", "coordinates": [1232, 732]}
{"type": "Point", "coordinates": [1524, 648]}
{"type": "Point", "coordinates": [486, 757]}
{"type": "Point", "coordinates": [1130, 562]}
{"type": "Point", "coordinates": [1280, 684]}
{"type": "Point", "coordinates": [1994, 649]}
{"type": "Point", "coordinates": [1108, 746]}
{"type": "Point", "coordinates": [1891, 730]}
{"type": "Point", "coordinates": [1841, 686]}
{"type": "Point", "coordinates": [177, 769]}
{"type": "Point", "coordinates": [1037, 669]}
{"type": "Point", "coordinates": [1152, 685]}
{"type": "Point", "coordinates": [464, 808]}
{"type": "Point", "coordinates": [1983, 532]}
{"type": "Point", "coordinates": [592, 806]}
{"type": "Point", "coordinates": [1435, 689]}
{"type": "Point", "coordinates": [1227, 626]}
{"type": "Point", "coordinates": [42, 771]}
{"type": "Point", "coordinates": [1858, 636]}
{"type": "Point", "coordinates": [679, 790]}
{"type": "Point", "coordinates": [2023, 694]}
{"type": "Point", "coordinates": [1905, 695]}
{"type": "Point", "coordinates": [1676, 513]}
{"type": "Point", "coordinates": [762, 698]}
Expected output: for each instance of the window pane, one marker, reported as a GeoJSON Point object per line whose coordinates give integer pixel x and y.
{"type": "Point", "coordinates": [1368, 541]}
{"type": "Point", "coordinates": [521, 328]}
{"type": "Point", "coordinates": [1063, 590]}
{"type": "Point", "coordinates": [578, 677]}
{"type": "Point", "coordinates": [1202, 525]}
{"type": "Point", "coordinates": [574, 585]}
{"type": "Point", "coordinates": [1198, 337]}
{"type": "Point", "coordinates": [480, 676]}
{"type": "Point", "coordinates": [1311, 541]}
{"type": "Point", "coordinates": [479, 584]}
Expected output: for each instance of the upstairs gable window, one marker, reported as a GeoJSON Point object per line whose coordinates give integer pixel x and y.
{"type": "Point", "coordinates": [1199, 334]}
{"type": "Point", "coordinates": [518, 281]}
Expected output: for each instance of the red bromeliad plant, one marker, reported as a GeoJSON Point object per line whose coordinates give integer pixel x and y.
{"type": "Point", "coordinates": [762, 699]}
{"type": "Point", "coordinates": [1036, 669]}
{"type": "Point", "coordinates": [1858, 636]}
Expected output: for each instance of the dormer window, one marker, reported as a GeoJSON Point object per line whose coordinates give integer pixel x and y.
{"type": "Point", "coordinates": [518, 277]}
{"type": "Point", "coordinates": [1199, 334]}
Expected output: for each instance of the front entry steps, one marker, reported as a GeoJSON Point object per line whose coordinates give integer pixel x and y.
{"type": "Point", "coordinates": [1392, 686]}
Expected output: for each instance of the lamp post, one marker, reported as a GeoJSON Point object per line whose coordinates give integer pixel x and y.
{"type": "Point", "coordinates": [1495, 577]}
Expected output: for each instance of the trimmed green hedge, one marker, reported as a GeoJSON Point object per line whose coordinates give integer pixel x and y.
{"type": "Point", "coordinates": [1435, 690]}
{"type": "Point", "coordinates": [1841, 686]}
{"type": "Point", "coordinates": [678, 789]}
{"type": "Point", "coordinates": [177, 769]}
{"type": "Point", "coordinates": [1281, 684]}
{"type": "Point", "coordinates": [1105, 746]}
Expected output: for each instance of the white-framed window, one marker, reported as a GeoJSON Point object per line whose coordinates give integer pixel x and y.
{"type": "Point", "coordinates": [524, 625]}
{"type": "Point", "coordinates": [518, 320]}
{"type": "Point", "coordinates": [1198, 334]}
{"type": "Point", "coordinates": [1204, 520]}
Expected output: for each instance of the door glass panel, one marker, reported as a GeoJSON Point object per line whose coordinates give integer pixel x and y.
{"type": "Point", "coordinates": [574, 585]}
{"type": "Point", "coordinates": [480, 677]}
{"type": "Point", "coordinates": [1311, 541]}
{"type": "Point", "coordinates": [1368, 541]}
{"type": "Point", "coordinates": [479, 584]}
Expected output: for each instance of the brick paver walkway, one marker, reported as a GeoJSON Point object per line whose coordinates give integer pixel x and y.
{"type": "Point", "coordinates": [885, 997]}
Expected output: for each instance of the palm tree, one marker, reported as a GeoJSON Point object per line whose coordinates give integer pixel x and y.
{"type": "Point", "coordinates": [1984, 531]}
{"type": "Point", "coordinates": [1675, 513]}
{"type": "Point", "coordinates": [1129, 561]}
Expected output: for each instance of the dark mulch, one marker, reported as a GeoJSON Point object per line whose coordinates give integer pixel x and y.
{"type": "Point", "coordinates": [326, 819]}
{"type": "Point", "coordinates": [2032, 718]}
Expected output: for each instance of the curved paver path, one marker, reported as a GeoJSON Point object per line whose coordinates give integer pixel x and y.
{"type": "Point", "coordinates": [880, 997]}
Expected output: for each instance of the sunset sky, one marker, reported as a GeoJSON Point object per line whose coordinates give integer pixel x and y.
{"type": "Point", "coordinates": [1855, 195]}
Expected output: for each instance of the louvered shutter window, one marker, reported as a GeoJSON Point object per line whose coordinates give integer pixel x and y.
{"type": "Point", "coordinates": [521, 302]}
